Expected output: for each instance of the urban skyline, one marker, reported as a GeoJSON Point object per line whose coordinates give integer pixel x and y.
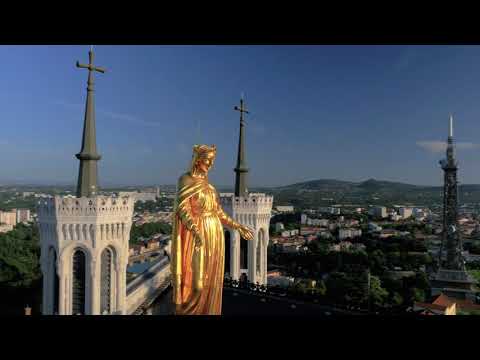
{"type": "Point", "coordinates": [192, 250]}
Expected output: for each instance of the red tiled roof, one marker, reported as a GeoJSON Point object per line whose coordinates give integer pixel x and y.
{"type": "Point", "coordinates": [431, 306]}
{"type": "Point", "coordinates": [444, 301]}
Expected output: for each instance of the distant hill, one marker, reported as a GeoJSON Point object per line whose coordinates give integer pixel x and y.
{"type": "Point", "coordinates": [370, 185]}
{"type": "Point", "coordinates": [322, 184]}
{"type": "Point", "coordinates": [330, 191]}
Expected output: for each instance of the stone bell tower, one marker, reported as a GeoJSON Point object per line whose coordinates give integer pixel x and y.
{"type": "Point", "coordinates": [84, 239]}
{"type": "Point", "coordinates": [250, 209]}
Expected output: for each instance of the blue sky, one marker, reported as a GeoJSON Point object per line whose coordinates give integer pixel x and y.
{"type": "Point", "coordinates": [343, 112]}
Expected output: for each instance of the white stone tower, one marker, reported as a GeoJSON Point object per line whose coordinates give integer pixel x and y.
{"type": "Point", "coordinates": [242, 256]}
{"type": "Point", "coordinates": [252, 210]}
{"type": "Point", "coordinates": [84, 239]}
{"type": "Point", "coordinates": [84, 254]}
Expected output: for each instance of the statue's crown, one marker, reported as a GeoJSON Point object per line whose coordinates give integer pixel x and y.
{"type": "Point", "coordinates": [204, 150]}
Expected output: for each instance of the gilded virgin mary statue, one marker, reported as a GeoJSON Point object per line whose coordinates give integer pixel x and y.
{"type": "Point", "coordinates": [198, 244]}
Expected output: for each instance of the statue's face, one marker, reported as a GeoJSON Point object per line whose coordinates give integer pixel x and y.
{"type": "Point", "coordinates": [205, 163]}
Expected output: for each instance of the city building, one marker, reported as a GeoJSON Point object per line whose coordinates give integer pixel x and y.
{"type": "Point", "coordinates": [325, 234]}
{"type": "Point", "coordinates": [394, 216]}
{"type": "Point", "coordinates": [405, 212]}
{"type": "Point", "coordinates": [84, 239]}
{"type": "Point", "coordinates": [379, 212]}
{"type": "Point", "coordinates": [284, 209]}
{"type": "Point", "coordinates": [303, 219]}
{"type": "Point", "coordinates": [350, 222]}
{"type": "Point", "coordinates": [317, 222]}
{"type": "Point", "coordinates": [139, 195]}
{"type": "Point", "coordinates": [342, 246]}
{"type": "Point", "coordinates": [23, 216]}
{"type": "Point", "coordinates": [329, 210]}
{"type": "Point", "coordinates": [5, 228]}
{"type": "Point", "coordinates": [374, 227]}
{"type": "Point", "coordinates": [348, 233]}
{"type": "Point", "coordinates": [8, 217]}
{"type": "Point", "coordinates": [288, 233]}
{"type": "Point", "coordinates": [386, 233]}
{"type": "Point", "coordinates": [253, 210]}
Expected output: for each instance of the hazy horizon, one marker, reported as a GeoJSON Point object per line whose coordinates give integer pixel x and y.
{"type": "Point", "coordinates": [223, 186]}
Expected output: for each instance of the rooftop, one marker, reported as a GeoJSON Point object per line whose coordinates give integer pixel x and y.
{"type": "Point", "coordinates": [239, 302]}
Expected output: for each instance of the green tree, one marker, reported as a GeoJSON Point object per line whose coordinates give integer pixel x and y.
{"type": "Point", "coordinates": [147, 230]}
{"type": "Point", "coordinates": [20, 256]}
{"type": "Point", "coordinates": [397, 299]}
{"type": "Point", "coordinates": [421, 281]}
{"type": "Point", "coordinates": [377, 261]}
{"type": "Point", "coordinates": [318, 246]}
{"type": "Point", "coordinates": [475, 248]}
{"type": "Point", "coordinates": [337, 287]}
{"type": "Point", "coordinates": [417, 295]}
{"type": "Point", "coordinates": [378, 295]}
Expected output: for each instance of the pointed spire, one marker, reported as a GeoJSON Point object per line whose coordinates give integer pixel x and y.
{"type": "Point", "coordinates": [241, 169]}
{"type": "Point", "coordinates": [450, 161]}
{"type": "Point", "coordinates": [450, 134]}
{"type": "Point", "coordinates": [88, 156]}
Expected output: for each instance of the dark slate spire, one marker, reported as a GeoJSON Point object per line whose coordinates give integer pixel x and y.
{"type": "Point", "coordinates": [88, 156]}
{"type": "Point", "coordinates": [241, 168]}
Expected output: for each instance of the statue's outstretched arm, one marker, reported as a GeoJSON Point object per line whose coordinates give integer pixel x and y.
{"type": "Point", "coordinates": [227, 220]}
{"type": "Point", "coordinates": [245, 232]}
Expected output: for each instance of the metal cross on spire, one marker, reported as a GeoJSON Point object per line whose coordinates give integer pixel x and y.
{"type": "Point", "coordinates": [242, 108]}
{"type": "Point", "coordinates": [90, 65]}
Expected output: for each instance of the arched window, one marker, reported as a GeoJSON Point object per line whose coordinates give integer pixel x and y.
{"type": "Point", "coordinates": [55, 287]}
{"type": "Point", "coordinates": [227, 252]}
{"type": "Point", "coordinates": [243, 254]}
{"type": "Point", "coordinates": [78, 284]}
{"type": "Point", "coordinates": [258, 257]}
{"type": "Point", "coordinates": [106, 281]}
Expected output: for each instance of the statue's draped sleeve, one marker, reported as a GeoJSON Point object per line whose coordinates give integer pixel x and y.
{"type": "Point", "coordinates": [183, 222]}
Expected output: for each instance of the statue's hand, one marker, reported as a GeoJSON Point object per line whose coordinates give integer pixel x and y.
{"type": "Point", "coordinates": [246, 233]}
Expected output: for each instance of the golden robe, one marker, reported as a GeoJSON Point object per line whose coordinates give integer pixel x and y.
{"type": "Point", "coordinates": [198, 274]}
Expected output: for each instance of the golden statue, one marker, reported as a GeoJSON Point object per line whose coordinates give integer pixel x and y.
{"type": "Point", "coordinates": [198, 244]}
